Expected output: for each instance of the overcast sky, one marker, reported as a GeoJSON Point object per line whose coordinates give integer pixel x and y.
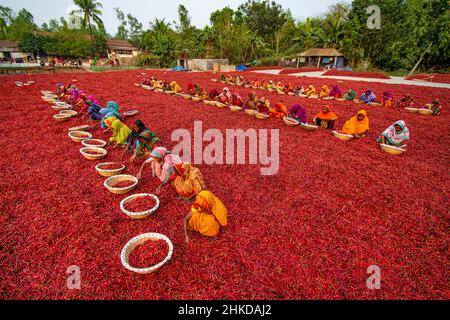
{"type": "Point", "coordinates": [147, 10]}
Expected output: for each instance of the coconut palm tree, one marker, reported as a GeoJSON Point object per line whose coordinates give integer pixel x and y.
{"type": "Point", "coordinates": [90, 12]}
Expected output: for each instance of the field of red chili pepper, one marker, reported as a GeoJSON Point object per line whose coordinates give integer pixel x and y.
{"type": "Point", "coordinates": [358, 74]}
{"type": "Point", "coordinates": [310, 232]}
{"type": "Point", "coordinates": [435, 77]}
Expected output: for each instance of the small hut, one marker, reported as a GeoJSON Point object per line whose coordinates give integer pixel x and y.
{"type": "Point", "coordinates": [320, 57]}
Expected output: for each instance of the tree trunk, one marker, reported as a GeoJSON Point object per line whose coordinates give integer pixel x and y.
{"type": "Point", "coordinates": [90, 32]}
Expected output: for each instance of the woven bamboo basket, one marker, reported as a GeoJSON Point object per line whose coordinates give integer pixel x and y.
{"type": "Point", "coordinates": [169, 93]}
{"type": "Point", "coordinates": [71, 113]}
{"type": "Point", "coordinates": [159, 90]}
{"type": "Point", "coordinates": [139, 240]}
{"type": "Point", "coordinates": [196, 99]}
{"type": "Point", "coordinates": [340, 99]}
{"type": "Point", "coordinates": [94, 143]}
{"type": "Point", "coordinates": [138, 85]}
{"type": "Point", "coordinates": [214, 80]}
{"type": "Point", "coordinates": [45, 93]}
{"type": "Point", "coordinates": [143, 214]}
{"type": "Point", "coordinates": [375, 104]}
{"type": "Point", "coordinates": [109, 173]}
{"type": "Point", "coordinates": [313, 97]}
{"type": "Point", "coordinates": [220, 105]}
{"type": "Point", "coordinates": [61, 117]}
{"type": "Point", "coordinates": [209, 102]}
{"type": "Point", "coordinates": [147, 87]}
{"type": "Point", "coordinates": [392, 149]}
{"type": "Point", "coordinates": [131, 113]}
{"type": "Point", "coordinates": [110, 182]}
{"type": "Point", "coordinates": [250, 112]}
{"type": "Point", "coordinates": [60, 107]}
{"type": "Point", "coordinates": [303, 96]}
{"type": "Point", "coordinates": [261, 116]}
{"type": "Point", "coordinates": [85, 152]}
{"type": "Point", "coordinates": [357, 101]}
{"type": "Point", "coordinates": [290, 122]}
{"type": "Point", "coordinates": [281, 92]}
{"type": "Point", "coordinates": [309, 127]}
{"type": "Point", "coordinates": [78, 136]}
{"type": "Point", "coordinates": [291, 93]}
{"type": "Point", "coordinates": [84, 127]}
{"type": "Point", "coordinates": [235, 108]}
{"type": "Point", "coordinates": [342, 136]}
{"type": "Point", "coordinates": [413, 110]}
{"type": "Point", "coordinates": [187, 96]}
{"type": "Point", "coordinates": [425, 112]}
{"type": "Point", "coordinates": [328, 98]}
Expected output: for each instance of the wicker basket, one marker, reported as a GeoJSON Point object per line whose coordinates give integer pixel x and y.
{"type": "Point", "coordinates": [143, 214]}
{"type": "Point", "coordinates": [85, 153]}
{"type": "Point", "coordinates": [60, 107]}
{"type": "Point", "coordinates": [187, 96]}
{"type": "Point", "coordinates": [313, 97]}
{"type": "Point", "coordinates": [281, 92]}
{"type": "Point", "coordinates": [89, 143]}
{"type": "Point", "coordinates": [209, 102]}
{"type": "Point", "coordinates": [110, 182]}
{"type": "Point", "coordinates": [357, 101]}
{"type": "Point", "coordinates": [159, 90]}
{"type": "Point", "coordinates": [290, 122]}
{"type": "Point", "coordinates": [340, 99]}
{"type": "Point", "coordinates": [220, 105]}
{"type": "Point", "coordinates": [291, 93]}
{"type": "Point", "coordinates": [109, 173]}
{"type": "Point", "coordinates": [131, 113]}
{"type": "Point", "coordinates": [250, 112]}
{"type": "Point", "coordinates": [78, 136]}
{"type": "Point", "coordinates": [83, 127]}
{"type": "Point", "coordinates": [413, 110]}
{"type": "Point", "coordinates": [235, 108]}
{"type": "Point", "coordinates": [46, 93]}
{"type": "Point", "coordinates": [392, 149]}
{"type": "Point", "coordinates": [342, 136]}
{"type": "Point", "coordinates": [375, 104]}
{"type": "Point", "coordinates": [303, 96]}
{"type": "Point", "coordinates": [139, 240]}
{"type": "Point", "coordinates": [169, 92]}
{"type": "Point", "coordinates": [196, 99]}
{"type": "Point", "coordinates": [71, 113]}
{"type": "Point", "coordinates": [309, 127]}
{"type": "Point", "coordinates": [61, 117]}
{"type": "Point", "coordinates": [328, 98]}
{"type": "Point", "coordinates": [425, 112]}
{"type": "Point", "coordinates": [214, 80]}
{"type": "Point", "coordinates": [261, 116]}
{"type": "Point", "coordinates": [138, 85]}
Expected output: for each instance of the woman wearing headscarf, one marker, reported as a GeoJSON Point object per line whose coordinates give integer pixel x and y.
{"type": "Point", "coordinates": [350, 95]}
{"type": "Point", "coordinates": [120, 132]}
{"type": "Point", "coordinates": [225, 97]}
{"type": "Point", "coordinates": [136, 131]}
{"type": "Point", "coordinates": [326, 119]}
{"type": "Point", "coordinates": [162, 164]}
{"type": "Point", "coordinates": [435, 106]}
{"type": "Point", "coordinates": [406, 102]}
{"type": "Point", "coordinates": [263, 105]}
{"type": "Point", "coordinates": [252, 102]}
{"type": "Point", "coordinates": [188, 181]}
{"type": "Point", "coordinates": [236, 100]}
{"type": "Point", "coordinates": [145, 144]}
{"type": "Point", "coordinates": [335, 92]}
{"type": "Point", "coordinates": [395, 134]}
{"type": "Point", "coordinates": [278, 111]}
{"type": "Point", "coordinates": [368, 97]}
{"type": "Point", "coordinates": [175, 87]}
{"type": "Point", "coordinates": [298, 90]}
{"type": "Point", "coordinates": [310, 91]}
{"type": "Point", "coordinates": [298, 113]}
{"type": "Point", "coordinates": [388, 100]}
{"type": "Point", "coordinates": [213, 94]}
{"type": "Point", "coordinates": [324, 92]}
{"type": "Point", "coordinates": [93, 111]}
{"type": "Point", "coordinates": [206, 216]}
{"type": "Point", "coordinates": [358, 125]}
{"type": "Point", "coordinates": [111, 110]}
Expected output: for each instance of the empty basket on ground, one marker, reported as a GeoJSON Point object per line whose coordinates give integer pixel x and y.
{"type": "Point", "coordinates": [290, 122]}
{"type": "Point", "coordinates": [71, 113]}
{"type": "Point", "coordinates": [425, 112]}
{"type": "Point", "coordinates": [58, 107]}
{"type": "Point", "coordinates": [413, 110]}
{"type": "Point", "coordinates": [110, 184]}
{"type": "Point", "coordinates": [94, 143]}
{"type": "Point", "coordinates": [143, 214]}
{"type": "Point", "coordinates": [209, 102]}
{"type": "Point", "coordinates": [261, 116]}
{"type": "Point", "coordinates": [61, 117]}
{"type": "Point", "coordinates": [139, 240]}
{"type": "Point", "coordinates": [116, 170]}
{"type": "Point", "coordinates": [309, 127]}
{"type": "Point", "coordinates": [342, 136]}
{"type": "Point", "coordinates": [392, 149]}
{"type": "Point", "coordinates": [91, 153]}
{"type": "Point", "coordinates": [83, 127]}
{"type": "Point", "coordinates": [78, 136]}
{"type": "Point", "coordinates": [235, 108]}
{"type": "Point", "coordinates": [130, 113]}
{"type": "Point", "coordinates": [250, 112]}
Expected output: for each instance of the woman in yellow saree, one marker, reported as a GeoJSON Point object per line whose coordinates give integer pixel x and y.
{"type": "Point", "coordinates": [175, 87]}
{"type": "Point", "coordinates": [206, 216]}
{"type": "Point", "coordinates": [120, 132]}
{"type": "Point", "coordinates": [324, 92]}
{"type": "Point", "coordinates": [358, 125]}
